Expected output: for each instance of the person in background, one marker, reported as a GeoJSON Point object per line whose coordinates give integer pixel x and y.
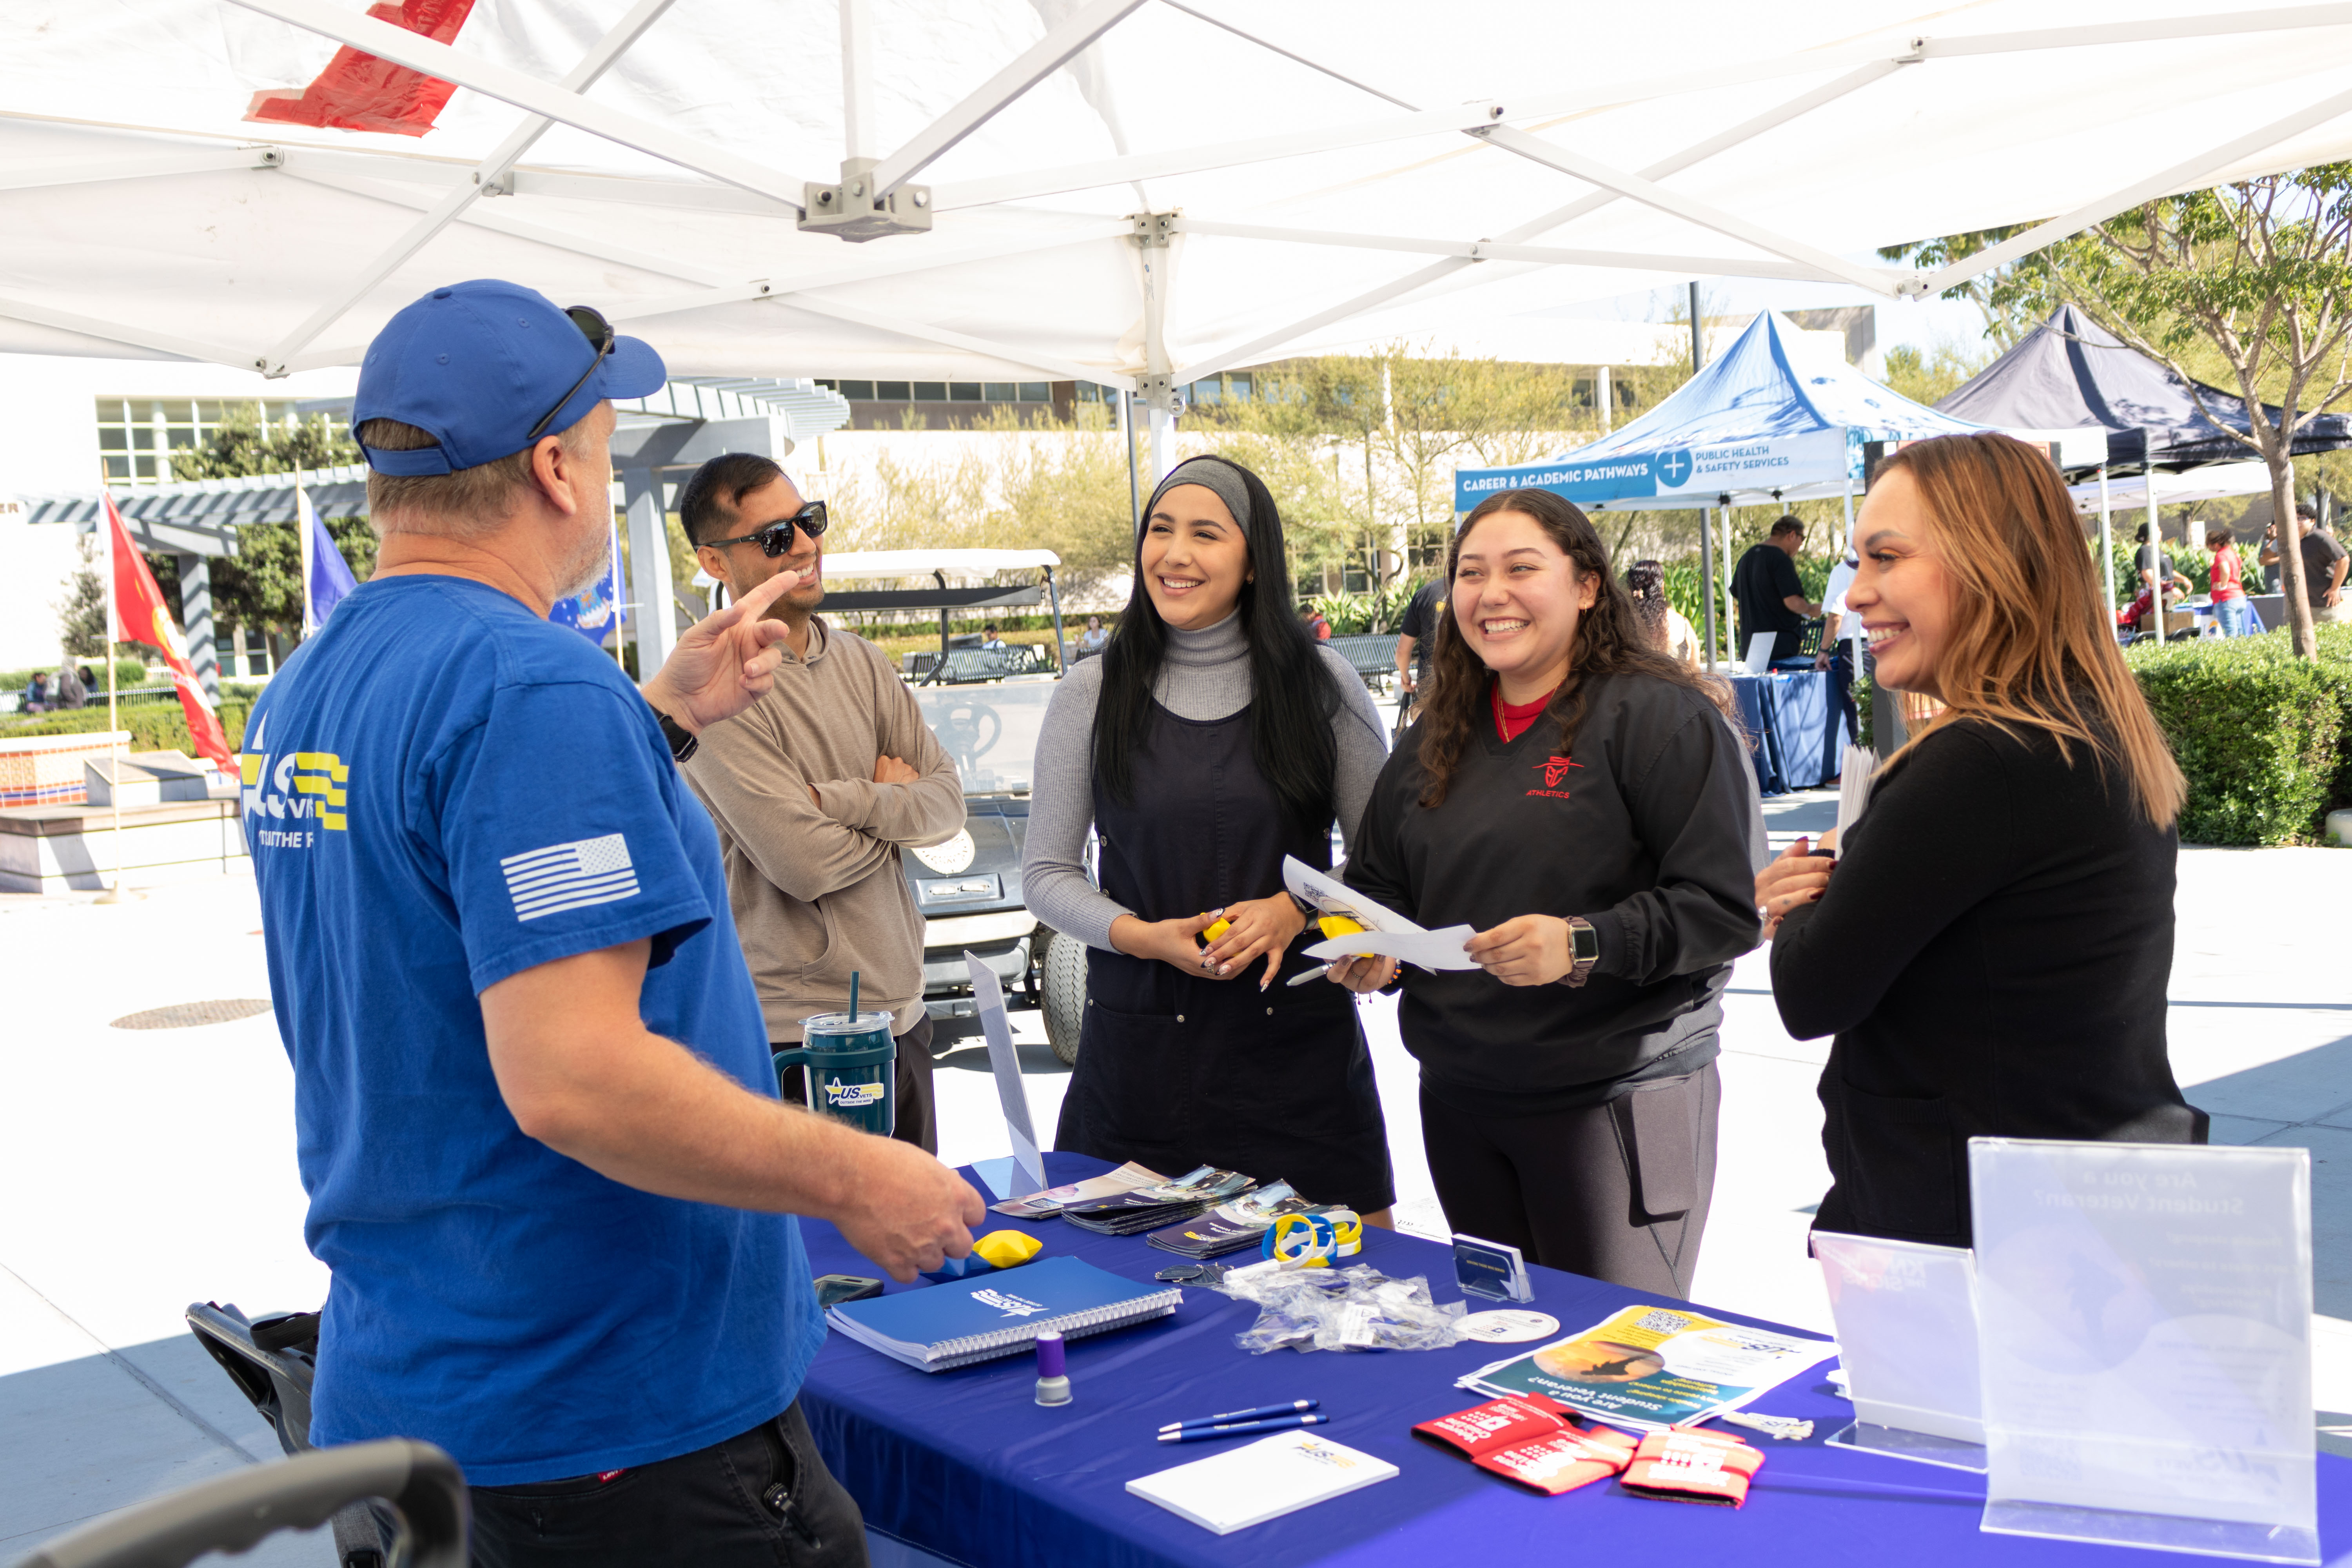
{"type": "Point", "coordinates": [1213, 740]}
{"type": "Point", "coordinates": [1423, 614]}
{"type": "Point", "coordinates": [1771, 597]}
{"type": "Point", "coordinates": [2224, 588]}
{"type": "Point", "coordinates": [68, 690]}
{"type": "Point", "coordinates": [1572, 795]}
{"type": "Point", "coordinates": [1668, 629]}
{"type": "Point", "coordinates": [1841, 652]}
{"type": "Point", "coordinates": [2268, 558]}
{"type": "Point", "coordinates": [818, 788]}
{"type": "Point", "coordinates": [1317, 627]}
{"type": "Point", "coordinates": [2323, 563]}
{"type": "Point", "coordinates": [534, 1111]}
{"type": "Point", "coordinates": [2160, 579]}
{"type": "Point", "coordinates": [1094, 640]}
{"type": "Point", "coordinates": [991, 638]}
{"type": "Point", "coordinates": [1990, 946]}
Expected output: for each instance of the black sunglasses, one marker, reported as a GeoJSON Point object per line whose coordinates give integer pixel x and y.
{"type": "Point", "coordinates": [602, 337]}
{"type": "Point", "coordinates": [775, 538]}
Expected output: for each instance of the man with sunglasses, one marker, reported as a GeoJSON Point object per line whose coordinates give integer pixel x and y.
{"type": "Point", "coordinates": [537, 1118]}
{"type": "Point", "coordinates": [819, 788]}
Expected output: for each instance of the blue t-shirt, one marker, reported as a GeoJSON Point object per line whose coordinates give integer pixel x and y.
{"type": "Point", "coordinates": [442, 790]}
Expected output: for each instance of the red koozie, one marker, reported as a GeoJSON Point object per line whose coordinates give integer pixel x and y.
{"type": "Point", "coordinates": [1497, 1423]}
{"type": "Point", "coordinates": [1563, 1461]}
{"type": "Point", "coordinates": [1692, 1467]}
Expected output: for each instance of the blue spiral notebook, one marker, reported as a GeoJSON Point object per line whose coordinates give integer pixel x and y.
{"type": "Point", "coordinates": [1000, 1313]}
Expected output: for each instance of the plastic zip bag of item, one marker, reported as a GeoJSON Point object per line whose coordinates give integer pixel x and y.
{"type": "Point", "coordinates": [1353, 1309]}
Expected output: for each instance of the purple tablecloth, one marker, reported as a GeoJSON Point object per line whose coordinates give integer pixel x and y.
{"type": "Point", "coordinates": [965, 1463]}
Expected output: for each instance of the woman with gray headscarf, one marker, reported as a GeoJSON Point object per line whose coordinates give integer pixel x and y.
{"type": "Point", "coordinates": [1209, 741]}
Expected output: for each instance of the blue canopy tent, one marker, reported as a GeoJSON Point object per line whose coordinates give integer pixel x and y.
{"type": "Point", "coordinates": [1767, 423]}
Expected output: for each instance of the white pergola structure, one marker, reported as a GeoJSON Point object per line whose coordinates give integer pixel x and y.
{"type": "Point", "coordinates": [1136, 193]}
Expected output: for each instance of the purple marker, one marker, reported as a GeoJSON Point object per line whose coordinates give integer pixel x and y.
{"type": "Point", "coordinates": [1053, 1376]}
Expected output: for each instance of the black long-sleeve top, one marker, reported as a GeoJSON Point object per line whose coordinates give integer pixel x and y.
{"type": "Point", "coordinates": [1991, 955]}
{"type": "Point", "coordinates": [1650, 829]}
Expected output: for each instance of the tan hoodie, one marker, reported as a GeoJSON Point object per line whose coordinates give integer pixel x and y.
{"type": "Point", "coordinates": [818, 891]}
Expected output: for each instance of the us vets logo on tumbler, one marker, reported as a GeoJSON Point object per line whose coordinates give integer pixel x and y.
{"type": "Point", "coordinates": [852, 1096]}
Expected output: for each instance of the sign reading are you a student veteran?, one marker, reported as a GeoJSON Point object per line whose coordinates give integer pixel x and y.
{"type": "Point", "coordinates": [1697, 474]}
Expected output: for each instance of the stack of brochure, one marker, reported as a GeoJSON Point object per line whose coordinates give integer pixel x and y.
{"type": "Point", "coordinates": [1261, 1480]}
{"type": "Point", "coordinates": [1148, 1208]}
{"type": "Point", "coordinates": [1647, 1369]}
{"type": "Point", "coordinates": [1229, 1228]}
{"type": "Point", "coordinates": [1001, 1314]}
{"type": "Point", "coordinates": [1049, 1203]}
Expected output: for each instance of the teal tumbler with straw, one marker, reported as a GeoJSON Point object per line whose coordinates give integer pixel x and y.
{"type": "Point", "coordinates": [851, 1062]}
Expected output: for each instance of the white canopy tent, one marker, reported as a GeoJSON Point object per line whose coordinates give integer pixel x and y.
{"type": "Point", "coordinates": [1137, 193]}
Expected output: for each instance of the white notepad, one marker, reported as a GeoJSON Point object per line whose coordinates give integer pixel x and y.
{"type": "Point", "coordinates": [1258, 1481]}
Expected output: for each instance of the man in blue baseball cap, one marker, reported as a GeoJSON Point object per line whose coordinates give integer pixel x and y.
{"type": "Point", "coordinates": [538, 1124]}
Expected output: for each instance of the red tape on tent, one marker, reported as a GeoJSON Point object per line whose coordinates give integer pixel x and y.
{"type": "Point", "coordinates": [360, 92]}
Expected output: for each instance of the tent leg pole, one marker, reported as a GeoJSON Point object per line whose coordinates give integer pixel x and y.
{"type": "Point", "coordinates": [2156, 539]}
{"type": "Point", "coordinates": [1054, 594]}
{"type": "Point", "coordinates": [1134, 481]}
{"type": "Point", "coordinates": [2106, 552]}
{"type": "Point", "coordinates": [1706, 581]}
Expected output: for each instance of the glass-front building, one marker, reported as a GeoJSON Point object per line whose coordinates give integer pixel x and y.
{"type": "Point", "coordinates": [137, 435]}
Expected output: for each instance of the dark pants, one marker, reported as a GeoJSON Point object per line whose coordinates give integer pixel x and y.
{"type": "Point", "coordinates": [760, 1499]}
{"type": "Point", "coordinates": [918, 1118]}
{"type": "Point", "coordinates": [1618, 1192]}
{"type": "Point", "coordinates": [1842, 682]}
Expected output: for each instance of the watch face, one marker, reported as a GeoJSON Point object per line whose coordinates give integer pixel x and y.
{"type": "Point", "coordinates": [1587, 944]}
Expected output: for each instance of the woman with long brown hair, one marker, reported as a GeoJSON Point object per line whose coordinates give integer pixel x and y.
{"type": "Point", "coordinates": [1571, 793]}
{"type": "Point", "coordinates": [1990, 945]}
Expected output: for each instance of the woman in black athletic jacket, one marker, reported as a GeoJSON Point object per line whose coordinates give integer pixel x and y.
{"type": "Point", "coordinates": [1574, 795]}
{"type": "Point", "coordinates": [1991, 944]}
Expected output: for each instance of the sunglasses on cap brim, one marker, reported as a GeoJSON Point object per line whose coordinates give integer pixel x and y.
{"type": "Point", "coordinates": [776, 538]}
{"type": "Point", "coordinates": [602, 337]}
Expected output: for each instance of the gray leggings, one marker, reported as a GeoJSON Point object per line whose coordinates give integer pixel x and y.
{"type": "Point", "coordinates": [1617, 1191]}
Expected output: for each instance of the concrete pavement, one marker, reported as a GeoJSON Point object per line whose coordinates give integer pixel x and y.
{"type": "Point", "coordinates": [149, 1169]}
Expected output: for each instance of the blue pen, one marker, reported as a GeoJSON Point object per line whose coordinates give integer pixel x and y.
{"type": "Point", "coordinates": [1290, 1408]}
{"type": "Point", "coordinates": [1241, 1428]}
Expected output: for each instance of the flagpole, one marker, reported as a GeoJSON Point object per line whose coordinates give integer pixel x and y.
{"type": "Point", "coordinates": [115, 895]}
{"type": "Point", "coordinates": [302, 527]}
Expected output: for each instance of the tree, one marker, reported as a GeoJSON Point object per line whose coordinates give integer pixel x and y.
{"type": "Point", "coordinates": [261, 584]}
{"type": "Point", "coordinates": [2258, 273]}
{"type": "Point", "coordinates": [1929, 378]}
{"type": "Point", "coordinates": [2008, 297]}
{"type": "Point", "coordinates": [81, 613]}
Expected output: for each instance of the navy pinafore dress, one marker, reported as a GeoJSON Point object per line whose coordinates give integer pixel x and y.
{"type": "Point", "coordinates": [1176, 1070]}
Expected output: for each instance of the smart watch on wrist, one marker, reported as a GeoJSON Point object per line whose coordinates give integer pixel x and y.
{"type": "Point", "coordinates": [1583, 950]}
{"type": "Point", "coordinates": [683, 743]}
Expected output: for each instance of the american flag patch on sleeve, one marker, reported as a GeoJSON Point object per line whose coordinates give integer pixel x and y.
{"type": "Point", "coordinates": [569, 876]}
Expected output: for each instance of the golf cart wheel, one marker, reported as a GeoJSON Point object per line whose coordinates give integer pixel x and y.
{"type": "Point", "coordinates": [1066, 994]}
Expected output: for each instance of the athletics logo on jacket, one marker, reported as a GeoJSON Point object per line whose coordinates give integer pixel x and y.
{"type": "Point", "coordinates": [1554, 769]}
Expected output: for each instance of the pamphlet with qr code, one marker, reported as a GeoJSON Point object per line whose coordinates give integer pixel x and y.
{"type": "Point", "coordinates": [1649, 1368]}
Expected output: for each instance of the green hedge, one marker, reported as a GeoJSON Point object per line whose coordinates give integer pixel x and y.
{"type": "Point", "coordinates": [2265, 739]}
{"type": "Point", "coordinates": [153, 727]}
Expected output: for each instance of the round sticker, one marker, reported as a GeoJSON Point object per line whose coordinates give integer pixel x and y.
{"type": "Point", "coordinates": [1508, 1326]}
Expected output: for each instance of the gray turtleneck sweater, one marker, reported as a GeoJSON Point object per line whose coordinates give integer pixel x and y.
{"type": "Point", "coordinates": [1206, 675]}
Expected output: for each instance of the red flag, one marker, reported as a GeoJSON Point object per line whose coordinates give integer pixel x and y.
{"type": "Point", "coordinates": [139, 605]}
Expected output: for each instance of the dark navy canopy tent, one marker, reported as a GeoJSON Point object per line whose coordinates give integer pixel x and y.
{"type": "Point", "coordinates": [2069, 372]}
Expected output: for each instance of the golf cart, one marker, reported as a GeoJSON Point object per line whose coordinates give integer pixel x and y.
{"type": "Point", "coordinates": [986, 705]}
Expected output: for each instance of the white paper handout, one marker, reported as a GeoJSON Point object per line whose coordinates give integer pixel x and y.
{"type": "Point", "coordinates": [1011, 1092]}
{"type": "Point", "coordinates": [1387, 934]}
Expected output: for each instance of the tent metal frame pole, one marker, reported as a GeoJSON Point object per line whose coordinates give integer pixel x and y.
{"type": "Point", "coordinates": [1134, 478]}
{"type": "Point", "coordinates": [2156, 537]}
{"type": "Point", "coordinates": [533, 95]}
{"type": "Point", "coordinates": [2107, 554]}
{"type": "Point", "coordinates": [488, 174]}
{"type": "Point", "coordinates": [1706, 581]}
